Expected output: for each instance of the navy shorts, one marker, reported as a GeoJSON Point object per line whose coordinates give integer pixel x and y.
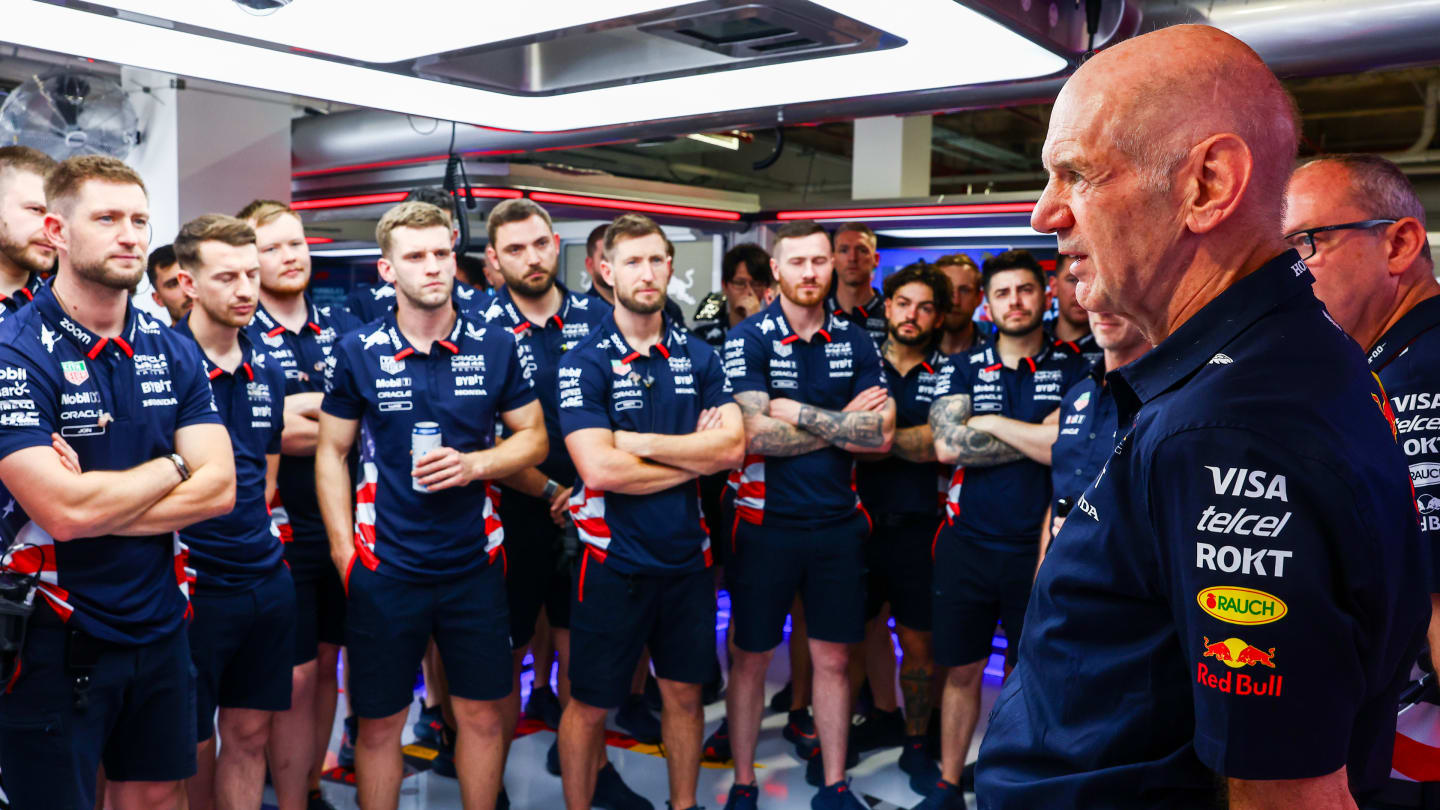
{"type": "Point", "coordinates": [900, 568]}
{"type": "Point", "coordinates": [139, 719]}
{"type": "Point", "coordinates": [975, 587]}
{"type": "Point", "coordinates": [391, 622]}
{"type": "Point", "coordinates": [241, 644]}
{"type": "Point", "coordinates": [319, 612]}
{"type": "Point", "coordinates": [533, 566]}
{"type": "Point", "coordinates": [824, 564]}
{"type": "Point", "coordinates": [615, 616]}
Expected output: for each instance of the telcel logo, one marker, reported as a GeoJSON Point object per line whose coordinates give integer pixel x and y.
{"type": "Point", "coordinates": [1241, 605]}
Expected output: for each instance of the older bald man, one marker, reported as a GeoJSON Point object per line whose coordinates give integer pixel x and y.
{"type": "Point", "coordinates": [1233, 604]}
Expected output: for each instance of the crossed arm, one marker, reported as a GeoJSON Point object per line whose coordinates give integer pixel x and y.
{"type": "Point", "coordinates": [785, 427]}
{"type": "Point", "coordinates": [1034, 439]}
{"type": "Point", "coordinates": [302, 424]}
{"type": "Point", "coordinates": [642, 463]}
{"type": "Point", "coordinates": [146, 499]}
{"type": "Point", "coordinates": [958, 443]}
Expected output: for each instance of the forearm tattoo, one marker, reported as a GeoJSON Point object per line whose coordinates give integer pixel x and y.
{"type": "Point", "coordinates": [971, 447]}
{"type": "Point", "coordinates": [771, 437]}
{"type": "Point", "coordinates": [914, 444]}
{"type": "Point", "coordinates": [855, 428]}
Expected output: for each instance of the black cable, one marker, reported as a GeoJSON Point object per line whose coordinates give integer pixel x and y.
{"type": "Point", "coordinates": [767, 162]}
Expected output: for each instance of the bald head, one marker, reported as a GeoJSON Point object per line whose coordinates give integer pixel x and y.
{"type": "Point", "coordinates": [1166, 150]}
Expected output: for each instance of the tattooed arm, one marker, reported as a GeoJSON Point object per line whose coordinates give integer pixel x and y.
{"type": "Point", "coordinates": [767, 436]}
{"type": "Point", "coordinates": [855, 431]}
{"type": "Point", "coordinates": [1034, 439]}
{"type": "Point", "coordinates": [915, 444]}
{"type": "Point", "coordinates": [958, 443]}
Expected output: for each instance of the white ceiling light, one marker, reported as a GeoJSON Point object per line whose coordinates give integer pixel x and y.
{"type": "Point", "coordinates": [730, 142]}
{"type": "Point", "coordinates": [929, 59]}
{"type": "Point", "coordinates": [960, 233]}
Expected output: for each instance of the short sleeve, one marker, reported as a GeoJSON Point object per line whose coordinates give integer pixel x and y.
{"type": "Point", "coordinates": [196, 400]}
{"type": "Point", "coordinates": [1246, 532]}
{"type": "Point", "coordinates": [952, 380]}
{"type": "Point", "coordinates": [715, 389]}
{"type": "Point", "coordinates": [745, 362]}
{"type": "Point", "coordinates": [28, 404]}
{"type": "Point", "coordinates": [343, 397]}
{"type": "Point", "coordinates": [518, 390]}
{"type": "Point", "coordinates": [869, 372]}
{"type": "Point", "coordinates": [584, 396]}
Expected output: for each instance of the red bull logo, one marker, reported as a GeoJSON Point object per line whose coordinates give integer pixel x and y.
{"type": "Point", "coordinates": [1236, 654]}
{"type": "Point", "coordinates": [1383, 402]}
{"type": "Point", "coordinates": [1241, 605]}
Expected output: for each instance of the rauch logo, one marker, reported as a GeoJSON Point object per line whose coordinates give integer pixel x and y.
{"type": "Point", "coordinates": [1241, 605]}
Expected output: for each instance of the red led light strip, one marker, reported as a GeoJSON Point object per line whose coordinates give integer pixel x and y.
{"type": "Point", "coordinates": [318, 240]}
{"type": "Point", "coordinates": [630, 205]}
{"type": "Point", "coordinates": [496, 193]}
{"type": "Point", "coordinates": [343, 202]}
{"type": "Point", "coordinates": [910, 211]}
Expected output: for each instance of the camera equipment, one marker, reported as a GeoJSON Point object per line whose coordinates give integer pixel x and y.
{"type": "Point", "coordinates": [17, 602]}
{"type": "Point", "coordinates": [1063, 507]}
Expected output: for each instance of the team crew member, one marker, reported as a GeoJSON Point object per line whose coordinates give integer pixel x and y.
{"type": "Point", "coordinates": [800, 527]}
{"type": "Point", "coordinates": [242, 638]}
{"type": "Point", "coordinates": [601, 289]}
{"type": "Point", "coordinates": [1071, 328]}
{"type": "Point", "coordinates": [300, 336]}
{"type": "Point", "coordinates": [646, 408]}
{"type": "Point", "coordinates": [1089, 426]}
{"type": "Point", "coordinates": [961, 332]}
{"type": "Point", "coordinates": [899, 490]}
{"type": "Point", "coordinates": [372, 302]}
{"type": "Point", "coordinates": [421, 551]}
{"type": "Point", "coordinates": [1241, 593]}
{"type": "Point", "coordinates": [109, 443]}
{"type": "Point", "coordinates": [164, 273]}
{"type": "Point", "coordinates": [746, 285]}
{"type": "Point", "coordinates": [1359, 226]}
{"type": "Point", "coordinates": [26, 254]}
{"type": "Point", "coordinates": [994, 418]}
{"type": "Point", "coordinates": [854, 298]}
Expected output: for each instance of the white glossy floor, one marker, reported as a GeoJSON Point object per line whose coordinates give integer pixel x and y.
{"type": "Point", "coordinates": [876, 779]}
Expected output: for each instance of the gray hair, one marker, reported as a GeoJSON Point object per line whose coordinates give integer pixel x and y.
{"type": "Point", "coordinates": [1380, 189]}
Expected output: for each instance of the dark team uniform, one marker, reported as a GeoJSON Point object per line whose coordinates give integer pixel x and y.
{"type": "Point", "coordinates": [114, 608]}
{"type": "Point", "coordinates": [870, 317]}
{"type": "Point", "coordinates": [424, 558]}
{"type": "Point", "coordinates": [10, 304]}
{"type": "Point", "coordinates": [242, 638]}
{"type": "Point", "coordinates": [1404, 359]}
{"type": "Point", "coordinates": [1240, 594]}
{"type": "Point", "coordinates": [643, 576]}
{"type": "Point", "coordinates": [1085, 347]}
{"type": "Point", "coordinates": [319, 597]}
{"type": "Point", "coordinates": [799, 523]}
{"type": "Point", "coordinates": [986, 549]}
{"type": "Point", "coordinates": [537, 575]}
{"type": "Point", "coordinates": [372, 302]}
{"type": "Point", "coordinates": [1088, 431]}
{"type": "Point", "coordinates": [903, 499]}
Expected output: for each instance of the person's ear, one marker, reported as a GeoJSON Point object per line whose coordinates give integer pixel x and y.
{"type": "Point", "coordinates": [1404, 242]}
{"type": "Point", "coordinates": [187, 283]}
{"type": "Point", "coordinates": [387, 270]}
{"type": "Point", "coordinates": [1215, 176]}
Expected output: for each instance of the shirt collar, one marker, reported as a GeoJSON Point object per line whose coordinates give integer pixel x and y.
{"type": "Point", "coordinates": [272, 327]}
{"type": "Point", "coordinates": [26, 293]}
{"type": "Point", "coordinates": [212, 371]}
{"type": "Point", "coordinates": [519, 324]}
{"type": "Point", "coordinates": [932, 362]}
{"type": "Point", "coordinates": [671, 342]}
{"type": "Point", "coordinates": [1219, 322]}
{"type": "Point", "coordinates": [403, 349]}
{"type": "Point", "coordinates": [89, 343]}
{"type": "Point", "coordinates": [788, 332]}
{"type": "Point", "coordinates": [1421, 318]}
{"type": "Point", "coordinates": [832, 304]}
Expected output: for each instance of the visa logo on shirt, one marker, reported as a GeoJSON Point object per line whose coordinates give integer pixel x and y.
{"type": "Point", "coordinates": [1248, 483]}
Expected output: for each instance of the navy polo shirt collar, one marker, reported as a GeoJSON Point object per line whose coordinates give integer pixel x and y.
{"type": "Point", "coordinates": [89, 343]}
{"type": "Point", "coordinates": [1027, 365]}
{"type": "Point", "coordinates": [25, 294]}
{"type": "Point", "coordinates": [931, 364]}
{"type": "Point", "coordinates": [403, 347]}
{"type": "Point", "coordinates": [776, 311]}
{"type": "Point", "coordinates": [832, 305]}
{"type": "Point", "coordinates": [273, 327]}
{"type": "Point", "coordinates": [670, 342]}
{"type": "Point", "coordinates": [1421, 318]}
{"type": "Point", "coordinates": [519, 324]}
{"type": "Point", "coordinates": [1199, 340]}
{"type": "Point", "coordinates": [212, 371]}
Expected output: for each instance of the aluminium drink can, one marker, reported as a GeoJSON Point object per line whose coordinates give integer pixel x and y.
{"type": "Point", "coordinates": [424, 437]}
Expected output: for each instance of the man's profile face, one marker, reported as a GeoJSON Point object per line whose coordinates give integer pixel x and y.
{"type": "Point", "coordinates": [22, 221]}
{"type": "Point", "coordinates": [592, 266]}
{"type": "Point", "coordinates": [421, 265]}
{"type": "Point", "coordinates": [639, 271]}
{"type": "Point", "coordinates": [804, 267]}
{"type": "Point", "coordinates": [284, 255]}
{"type": "Point", "coordinates": [1062, 287]}
{"type": "Point", "coordinates": [855, 258]}
{"type": "Point", "coordinates": [1350, 267]}
{"type": "Point", "coordinates": [1017, 301]}
{"type": "Point", "coordinates": [105, 232]}
{"type": "Point", "coordinates": [1113, 333]}
{"type": "Point", "coordinates": [528, 254]}
{"type": "Point", "coordinates": [227, 284]}
{"type": "Point", "coordinates": [910, 314]}
{"type": "Point", "coordinates": [169, 294]}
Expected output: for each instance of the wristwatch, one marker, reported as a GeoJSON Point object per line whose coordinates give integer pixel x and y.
{"type": "Point", "coordinates": [551, 487]}
{"type": "Point", "coordinates": [180, 466]}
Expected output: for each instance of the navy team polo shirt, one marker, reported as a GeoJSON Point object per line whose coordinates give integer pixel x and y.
{"type": "Point", "coordinates": [604, 383]}
{"type": "Point", "coordinates": [1002, 507]}
{"type": "Point", "coordinates": [1407, 360]}
{"type": "Point", "coordinates": [10, 304]}
{"type": "Point", "coordinates": [1089, 428]}
{"type": "Point", "coordinates": [118, 401]}
{"type": "Point", "coordinates": [236, 552]}
{"type": "Point", "coordinates": [1240, 593]}
{"type": "Point", "coordinates": [465, 382]}
{"type": "Point", "coordinates": [302, 356]}
{"type": "Point", "coordinates": [870, 318]}
{"type": "Point", "coordinates": [371, 302]}
{"type": "Point", "coordinates": [892, 485]}
{"type": "Point", "coordinates": [541, 347]}
{"type": "Point", "coordinates": [763, 353]}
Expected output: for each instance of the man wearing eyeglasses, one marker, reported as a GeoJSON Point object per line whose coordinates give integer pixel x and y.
{"type": "Point", "coordinates": [1360, 227]}
{"type": "Point", "coordinates": [746, 286]}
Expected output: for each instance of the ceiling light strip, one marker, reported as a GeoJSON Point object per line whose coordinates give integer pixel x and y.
{"type": "Point", "coordinates": [346, 202]}
{"type": "Point", "coordinates": [909, 211]}
{"type": "Point", "coordinates": [318, 240]}
{"type": "Point", "coordinates": [631, 205]}
{"type": "Point", "coordinates": [386, 164]}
